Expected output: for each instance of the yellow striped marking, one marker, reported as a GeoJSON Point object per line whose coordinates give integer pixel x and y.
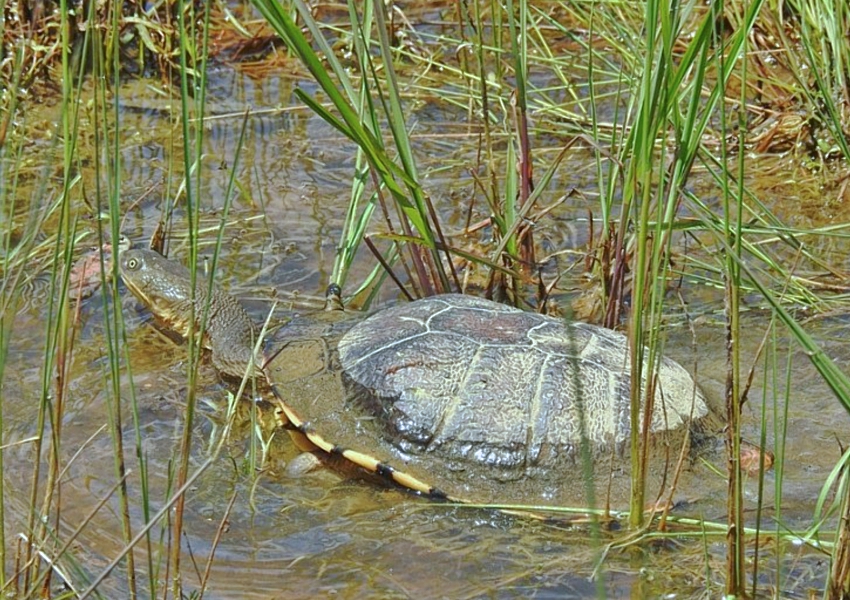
{"type": "Point", "coordinates": [288, 419]}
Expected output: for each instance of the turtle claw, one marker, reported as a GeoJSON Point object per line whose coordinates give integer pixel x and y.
{"type": "Point", "coordinates": [301, 465]}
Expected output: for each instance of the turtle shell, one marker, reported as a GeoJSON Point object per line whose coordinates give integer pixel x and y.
{"type": "Point", "coordinates": [476, 401]}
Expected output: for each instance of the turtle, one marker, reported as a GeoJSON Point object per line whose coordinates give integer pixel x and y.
{"type": "Point", "coordinates": [452, 396]}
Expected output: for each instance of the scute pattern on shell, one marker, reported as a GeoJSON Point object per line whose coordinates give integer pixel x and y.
{"type": "Point", "coordinates": [480, 382]}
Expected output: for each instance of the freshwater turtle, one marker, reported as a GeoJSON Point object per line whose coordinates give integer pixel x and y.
{"type": "Point", "coordinates": [459, 397]}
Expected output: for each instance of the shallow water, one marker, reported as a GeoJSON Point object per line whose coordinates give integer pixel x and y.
{"type": "Point", "coordinates": [324, 534]}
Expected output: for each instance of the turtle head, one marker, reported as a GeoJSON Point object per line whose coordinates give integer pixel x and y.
{"type": "Point", "coordinates": [162, 285]}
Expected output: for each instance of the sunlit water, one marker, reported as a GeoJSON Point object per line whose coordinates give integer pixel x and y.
{"type": "Point", "coordinates": [325, 534]}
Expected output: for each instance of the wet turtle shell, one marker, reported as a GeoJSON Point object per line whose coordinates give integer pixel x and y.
{"type": "Point", "coordinates": [469, 399]}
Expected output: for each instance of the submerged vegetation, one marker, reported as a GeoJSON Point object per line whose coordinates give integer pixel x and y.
{"type": "Point", "coordinates": [641, 165]}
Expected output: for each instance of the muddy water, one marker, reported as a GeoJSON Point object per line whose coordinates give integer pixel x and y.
{"type": "Point", "coordinates": [324, 534]}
